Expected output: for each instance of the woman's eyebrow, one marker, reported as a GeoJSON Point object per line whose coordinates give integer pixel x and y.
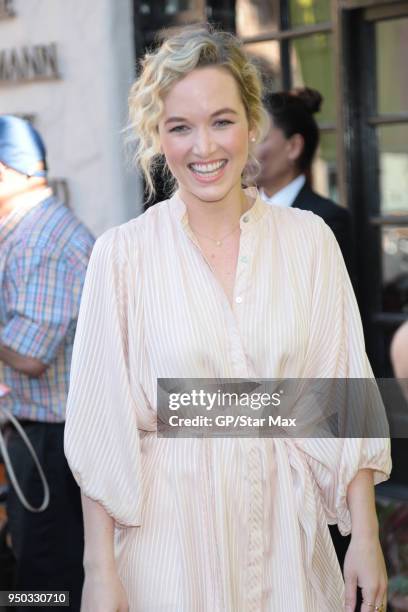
{"type": "Point", "coordinates": [221, 111]}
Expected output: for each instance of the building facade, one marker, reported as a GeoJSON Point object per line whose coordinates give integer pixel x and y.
{"type": "Point", "coordinates": [68, 66]}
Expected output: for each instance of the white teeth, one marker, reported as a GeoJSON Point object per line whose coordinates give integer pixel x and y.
{"type": "Point", "coordinates": [207, 168]}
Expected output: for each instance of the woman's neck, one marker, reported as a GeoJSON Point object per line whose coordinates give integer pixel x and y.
{"type": "Point", "coordinates": [216, 218]}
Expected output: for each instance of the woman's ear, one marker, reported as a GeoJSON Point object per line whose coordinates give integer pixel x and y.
{"type": "Point", "coordinates": [252, 136]}
{"type": "Point", "coordinates": [296, 145]}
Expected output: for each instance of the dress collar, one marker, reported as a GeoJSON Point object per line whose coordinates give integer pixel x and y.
{"type": "Point", "coordinates": [179, 210]}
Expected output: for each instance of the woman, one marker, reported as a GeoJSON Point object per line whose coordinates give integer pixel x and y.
{"type": "Point", "coordinates": [199, 286]}
{"type": "Point", "coordinates": [286, 156]}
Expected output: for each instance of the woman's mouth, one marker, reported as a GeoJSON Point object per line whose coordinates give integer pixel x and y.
{"type": "Point", "coordinates": [209, 171]}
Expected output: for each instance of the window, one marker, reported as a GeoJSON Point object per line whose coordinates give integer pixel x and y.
{"type": "Point", "coordinates": [293, 47]}
{"type": "Point", "coordinates": [151, 16]}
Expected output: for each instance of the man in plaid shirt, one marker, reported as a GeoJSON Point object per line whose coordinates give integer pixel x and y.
{"type": "Point", "coordinates": [44, 251]}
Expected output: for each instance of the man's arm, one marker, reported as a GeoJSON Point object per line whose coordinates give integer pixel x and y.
{"type": "Point", "coordinates": [399, 356]}
{"type": "Point", "coordinates": [26, 365]}
{"type": "Point", "coordinates": [399, 351]}
{"type": "Point", "coordinates": [41, 301]}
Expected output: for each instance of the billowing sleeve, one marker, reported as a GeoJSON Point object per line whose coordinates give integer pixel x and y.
{"type": "Point", "coordinates": [101, 433]}
{"type": "Point", "coordinates": [336, 350]}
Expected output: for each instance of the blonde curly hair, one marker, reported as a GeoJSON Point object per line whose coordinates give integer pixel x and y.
{"type": "Point", "coordinates": [193, 47]}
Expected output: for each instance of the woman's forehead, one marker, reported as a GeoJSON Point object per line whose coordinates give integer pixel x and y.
{"type": "Point", "coordinates": [205, 89]}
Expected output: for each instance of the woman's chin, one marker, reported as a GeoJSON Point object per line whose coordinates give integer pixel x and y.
{"type": "Point", "coordinates": [211, 192]}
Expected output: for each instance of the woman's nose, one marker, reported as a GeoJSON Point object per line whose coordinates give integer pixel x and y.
{"type": "Point", "coordinates": [204, 144]}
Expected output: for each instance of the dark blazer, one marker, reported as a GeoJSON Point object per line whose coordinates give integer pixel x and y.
{"type": "Point", "coordinates": [339, 220]}
{"type": "Point", "coordinates": [336, 217]}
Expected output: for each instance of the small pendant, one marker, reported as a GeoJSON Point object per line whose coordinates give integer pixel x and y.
{"type": "Point", "coordinates": [218, 243]}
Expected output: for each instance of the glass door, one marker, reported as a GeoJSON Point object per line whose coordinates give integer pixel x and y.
{"type": "Point", "coordinates": [379, 72]}
{"type": "Point", "coordinates": [390, 121]}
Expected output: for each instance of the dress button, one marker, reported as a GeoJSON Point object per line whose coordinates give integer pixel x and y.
{"type": "Point", "coordinates": [244, 259]}
{"type": "Point", "coordinates": [245, 219]}
{"type": "Point", "coordinates": [238, 299]}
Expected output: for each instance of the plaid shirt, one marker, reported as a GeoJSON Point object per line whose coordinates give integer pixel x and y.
{"type": "Point", "coordinates": [44, 252]}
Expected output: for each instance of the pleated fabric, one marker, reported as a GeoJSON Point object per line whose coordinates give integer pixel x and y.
{"type": "Point", "coordinates": [216, 525]}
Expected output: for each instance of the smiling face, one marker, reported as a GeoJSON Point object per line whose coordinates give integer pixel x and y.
{"type": "Point", "coordinates": [204, 134]}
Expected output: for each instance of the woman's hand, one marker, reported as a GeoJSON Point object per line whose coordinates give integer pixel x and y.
{"type": "Point", "coordinates": [364, 566]}
{"type": "Point", "coordinates": [103, 592]}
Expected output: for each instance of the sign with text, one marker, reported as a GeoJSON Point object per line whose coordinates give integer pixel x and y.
{"type": "Point", "coordinates": [34, 63]}
{"type": "Point", "coordinates": [288, 408]}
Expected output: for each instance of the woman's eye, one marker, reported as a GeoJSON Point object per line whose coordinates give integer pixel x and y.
{"type": "Point", "coordinates": [223, 122]}
{"type": "Point", "coordinates": [179, 128]}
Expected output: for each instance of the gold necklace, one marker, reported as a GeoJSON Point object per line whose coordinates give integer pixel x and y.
{"type": "Point", "coordinates": [218, 242]}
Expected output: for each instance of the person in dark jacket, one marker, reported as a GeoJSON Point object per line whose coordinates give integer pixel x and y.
{"type": "Point", "coordinates": [286, 157]}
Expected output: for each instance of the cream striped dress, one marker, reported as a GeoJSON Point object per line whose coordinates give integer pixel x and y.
{"type": "Point", "coordinates": [216, 525]}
